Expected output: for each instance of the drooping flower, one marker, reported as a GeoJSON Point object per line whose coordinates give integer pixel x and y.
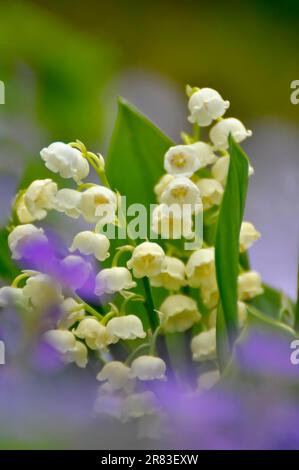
{"type": "Point", "coordinates": [21, 236]}
{"type": "Point", "coordinates": [172, 222]}
{"type": "Point", "coordinates": [249, 285]}
{"type": "Point", "coordinates": [42, 291]}
{"type": "Point", "coordinates": [248, 235]}
{"type": "Point", "coordinates": [178, 313]}
{"type": "Point", "coordinates": [94, 333]}
{"type": "Point", "coordinates": [148, 368]}
{"type": "Point", "coordinates": [72, 311]}
{"type": "Point", "coordinates": [205, 105]}
{"type": "Point", "coordinates": [172, 276]}
{"type": "Point", "coordinates": [162, 185]}
{"type": "Point", "coordinates": [112, 280]}
{"type": "Point", "coordinates": [39, 198]}
{"type": "Point", "coordinates": [98, 203]}
{"type": "Point", "coordinates": [67, 161]}
{"type": "Point", "coordinates": [65, 343]}
{"type": "Point", "coordinates": [220, 169]}
{"type": "Point", "coordinates": [116, 376]}
{"type": "Point", "coordinates": [211, 192]}
{"type": "Point", "coordinates": [207, 380]}
{"type": "Point", "coordinates": [184, 160]}
{"type": "Point", "coordinates": [221, 130]}
{"type": "Point", "coordinates": [91, 243]}
{"type": "Point", "coordinates": [209, 291]}
{"type": "Point", "coordinates": [75, 271]}
{"type": "Point", "coordinates": [126, 327]}
{"type": "Point", "coordinates": [200, 266]}
{"type": "Point", "coordinates": [137, 405]}
{"type": "Point", "coordinates": [147, 260]}
{"type": "Point", "coordinates": [183, 192]}
{"type": "Point", "coordinates": [203, 346]}
{"type": "Point", "coordinates": [12, 297]}
{"type": "Point", "coordinates": [68, 201]}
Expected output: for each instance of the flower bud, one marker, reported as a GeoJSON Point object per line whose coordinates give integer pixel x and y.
{"type": "Point", "coordinates": [205, 105]}
{"type": "Point", "coordinates": [12, 297]}
{"type": "Point", "coordinates": [200, 265]}
{"type": "Point", "coordinates": [137, 405]}
{"type": "Point", "coordinates": [65, 160]}
{"type": "Point", "coordinates": [94, 333]}
{"type": "Point", "coordinates": [68, 201]}
{"type": "Point", "coordinates": [248, 235]}
{"type": "Point", "coordinates": [112, 280]}
{"type": "Point", "coordinates": [91, 243]}
{"type": "Point", "coordinates": [22, 236]}
{"type": "Point", "coordinates": [65, 343]}
{"type": "Point", "coordinates": [42, 291]}
{"type": "Point", "coordinates": [220, 169]}
{"type": "Point", "coordinates": [203, 346]}
{"type": "Point", "coordinates": [162, 185]}
{"type": "Point", "coordinates": [249, 285]}
{"type": "Point", "coordinates": [37, 200]}
{"type": "Point", "coordinates": [172, 276]}
{"type": "Point", "coordinates": [116, 376]}
{"type": "Point", "coordinates": [211, 192]}
{"type": "Point", "coordinates": [148, 368]}
{"type": "Point", "coordinates": [75, 271]}
{"type": "Point", "coordinates": [71, 311]}
{"type": "Point", "coordinates": [207, 380]}
{"type": "Point", "coordinates": [220, 132]}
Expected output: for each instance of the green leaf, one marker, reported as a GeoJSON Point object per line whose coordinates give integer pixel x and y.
{"type": "Point", "coordinates": [269, 302]}
{"type": "Point", "coordinates": [227, 243]}
{"type": "Point", "coordinates": [135, 157]}
{"type": "Point", "coordinates": [8, 269]}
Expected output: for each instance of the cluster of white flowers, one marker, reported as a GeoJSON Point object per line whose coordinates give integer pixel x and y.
{"type": "Point", "coordinates": [195, 178]}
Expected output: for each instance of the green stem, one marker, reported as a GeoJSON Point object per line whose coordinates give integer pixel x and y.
{"type": "Point", "coordinates": [89, 308]}
{"type": "Point", "coordinates": [135, 352]}
{"type": "Point", "coordinates": [149, 304]}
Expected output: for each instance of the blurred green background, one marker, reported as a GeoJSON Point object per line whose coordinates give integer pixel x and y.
{"type": "Point", "coordinates": [64, 63]}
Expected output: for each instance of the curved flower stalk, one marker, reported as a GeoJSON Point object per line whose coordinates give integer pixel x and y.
{"type": "Point", "coordinates": [196, 177]}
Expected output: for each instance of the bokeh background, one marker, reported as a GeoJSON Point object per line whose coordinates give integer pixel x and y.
{"type": "Point", "coordinates": [65, 62]}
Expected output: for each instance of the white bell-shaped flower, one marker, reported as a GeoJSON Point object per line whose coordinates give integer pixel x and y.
{"type": "Point", "coordinates": [148, 368]}
{"type": "Point", "coordinates": [116, 376]}
{"type": "Point", "coordinates": [220, 132]}
{"type": "Point", "coordinates": [75, 271]}
{"type": "Point", "coordinates": [71, 312]}
{"type": "Point", "coordinates": [21, 236]}
{"type": "Point", "coordinates": [67, 161]}
{"type": "Point", "coordinates": [36, 201]}
{"type": "Point", "coordinates": [137, 405]}
{"type": "Point", "coordinates": [94, 333]}
{"type": "Point", "coordinates": [209, 290]}
{"type": "Point", "coordinates": [205, 105]}
{"type": "Point", "coordinates": [207, 380]}
{"type": "Point", "coordinates": [78, 354]}
{"type": "Point", "coordinates": [249, 285]}
{"type": "Point", "coordinates": [172, 223]}
{"type": "Point", "coordinates": [172, 276]}
{"type": "Point", "coordinates": [200, 265]}
{"type": "Point", "coordinates": [98, 203]}
{"type": "Point", "coordinates": [126, 327]}
{"type": "Point", "coordinates": [211, 192]}
{"type": "Point", "coordinates": [147, 260]}
{"type": "Point", "coordinates": [162, 184]}
{"type": "Point", "coordinates": [42, 291]}
{"type": "Point", "coordinates": [183, 192]}
{"type": "Point", "coordinates": [220, 169]}
{"type": "Point", "coordinates": [178, 313]}
{"type": "Point", "coordinates": [68, 202]}
{"type": "Point", "coordinates": [248, 235]}
{"type": "Point", "coordinates": [65, 343]}
{"type": "Point", "coordinates": [12, 297]}
{"type": "Point", "coordinates": [203, 346]}
{"type": "Point", "coordinates": [91, 243]}
{"type": "Point", "coordinates": [184, 160]}
{"type": "Point", "coordinates": [112, 280]}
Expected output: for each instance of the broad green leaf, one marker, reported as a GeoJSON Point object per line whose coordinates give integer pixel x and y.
{"type": "Point", "coordinates": [135, 157]}
{"type": "Point", "coordinates": [227, 243]}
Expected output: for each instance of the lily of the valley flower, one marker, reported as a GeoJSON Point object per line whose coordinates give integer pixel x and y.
{"type": "Point", "coordinates": [248, 235]}
{"type": "Point", "coordinates": [36, 201]}
{"type": "Point", "coordinates": [220, 132]}
{"type": "Point", "coordinates": [203, 346]}
{"type": "Point", "coordinates": [249, 285]}
{"type": "Point", "coordinates": [162, 185]}
{"type": "Point", "coordinates": [112, 280]}
{"type": "Point", "coordinates": [137, 405]}
{"type": "Point", "coordinates": [68, 201]}
{"type": "Point", "coordinates": [65, 343]}
{"type": "Point", "coordinates": [184, 160]}
{"type": "Point", "coordinates": [71, 311]}
{"type": "Point", "coordinates": [21, 236]}
{"type": "Point", "coordinates": [242, 315]}
{"type": "Point", "coordinates": [91, 243]}
{"type": "Point", "coordinates": [183, 192]}
{"type": "Point", "coordinates": [94, 333]}
{"type": "Point", "coordinates": [209, 291]}
{"type": "Point", "coordinates": [126, 327]}
{"type": "Point", "coordinates": [148, 368]}
{"type": "Point", "coordinates": [172, 276]}
{"type": "Point", "coordinates": [65, 160]}
{"type": "Point", "coordinates": [211, 192]}
{"type": "Point", "coordinates": [116, 376]}
{"type": "Point", "coordinates": [200, 266]}
{"type": "Point", "coordinates": [42, 291]}
{"type": "Point", "coordinates": [98, 203]}
{"type": "Point", "coordinates": [147, 260]}
{"type": "Point", "coordinates": [220, 169]}
{"type": "Point", "coordinates": [205, 105]}
{"type": "Point", "coordinates": [207, 380]}
{"type": "Point", "coordinates": [178, 313]}
{"type": "Point", "coordinates": [172, 222]}
{"type": "Point", "coordinates": [12, 297]}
